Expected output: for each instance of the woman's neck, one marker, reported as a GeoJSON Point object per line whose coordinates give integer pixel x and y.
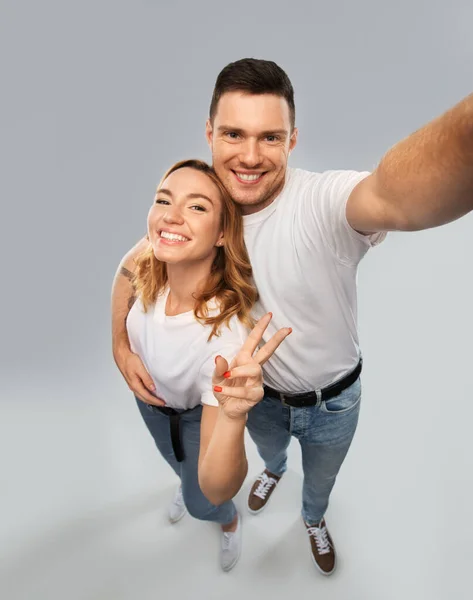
{"type": "Point", "coordinates": [185, 281]}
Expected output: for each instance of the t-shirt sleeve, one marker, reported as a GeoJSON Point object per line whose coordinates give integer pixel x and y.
{"type": "Point", "coordinates": [328, 202]}
{"type": "Point", "coordinates": [228, 345]}
{"type": "Point", "coordinates": [205, 382]}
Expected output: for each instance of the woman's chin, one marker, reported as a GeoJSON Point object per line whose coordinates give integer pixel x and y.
{"type": "Point", "coordinates": [160, 255]}
{"type": "Point", "coordinates": [168, 257]}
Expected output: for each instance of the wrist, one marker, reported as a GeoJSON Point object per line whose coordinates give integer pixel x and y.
{"type": "Point", "coordinates": [233, 417]}
{"type": "Point", "coordinates": [121, 350]}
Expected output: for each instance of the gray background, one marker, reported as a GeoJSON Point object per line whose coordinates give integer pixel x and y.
{"type": "Point", "coordinates": [98, 99]}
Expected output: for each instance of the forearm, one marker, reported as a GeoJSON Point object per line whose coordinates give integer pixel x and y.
{"type": "Point", "coordinates": [223, 469]}
{"type": "Point", "coordinates": [123, 299]}
{"type": "Point", "coordinates": [428, 177]}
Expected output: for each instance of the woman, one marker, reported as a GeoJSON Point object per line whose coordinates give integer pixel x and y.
{"type": "Point", "coordinates": [194, 297]}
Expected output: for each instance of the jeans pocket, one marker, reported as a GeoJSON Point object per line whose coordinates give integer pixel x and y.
{"type": "Point", "coordinates": [153, 409]}
{"type": "Point", "coordinates": [345, 401]}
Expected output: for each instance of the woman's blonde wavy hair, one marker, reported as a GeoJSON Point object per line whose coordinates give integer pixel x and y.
{"type": "Point", "coordinates": [230, 281]}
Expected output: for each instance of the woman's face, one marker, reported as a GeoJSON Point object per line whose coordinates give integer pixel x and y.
{"type": "Point", "coordinates": [184, 223]}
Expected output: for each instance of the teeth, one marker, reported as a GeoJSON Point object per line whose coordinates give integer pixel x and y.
{"type": "Point", "coordinates": [173, 236]}
{"type": "Point", "coordinates": [247, 177]}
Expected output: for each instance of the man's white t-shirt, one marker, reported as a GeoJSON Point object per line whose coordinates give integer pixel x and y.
{"type": "Point", "coordinates": [176, 353]}
{"type": "Point", "coordinates": [304, 256]}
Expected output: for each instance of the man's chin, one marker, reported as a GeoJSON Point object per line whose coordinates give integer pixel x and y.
{"type": "Point", "coordinates": [246, 196]}
{"type": "Point", "coordinates": [246, 199]}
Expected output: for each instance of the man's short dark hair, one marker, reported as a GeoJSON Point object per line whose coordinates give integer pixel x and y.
{"type": "Point", "coordinates": [254, 76]}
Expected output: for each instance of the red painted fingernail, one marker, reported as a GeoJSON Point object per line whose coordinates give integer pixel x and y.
{"type": "Point", "coordinates": [217, 388]}
{"type": "Point", "coordinates": [226, 374]}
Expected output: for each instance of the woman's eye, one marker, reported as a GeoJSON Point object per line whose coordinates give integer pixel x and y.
{"type": "Point", "coordinates": [198, 207]}
{"type": "Point", "coordinates": [161, 201]}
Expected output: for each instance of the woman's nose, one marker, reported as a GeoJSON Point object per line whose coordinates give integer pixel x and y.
{"type": "Point", "coordinates": [173, 215]}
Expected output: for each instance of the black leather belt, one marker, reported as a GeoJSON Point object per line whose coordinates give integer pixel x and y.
{"type": "Point", "coordinates": [175, 428]}
{"type": "Point", "coordinates": [311, 398]}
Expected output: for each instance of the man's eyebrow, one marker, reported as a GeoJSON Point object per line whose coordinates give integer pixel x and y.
{"type": "Point", "coordinates": [229, 128]}
{"type": "Point", "coordinates": [275, 132]}
{"type": "Point", "coordinates": [223, 128]}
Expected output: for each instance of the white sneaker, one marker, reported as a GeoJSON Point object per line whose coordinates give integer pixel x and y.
{"type": "Point", "coordinates": [177, 508]}
{"type": "Point", "coordinates": [231, 547]}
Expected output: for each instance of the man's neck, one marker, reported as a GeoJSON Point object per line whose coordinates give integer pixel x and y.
{"type": "Point", "coordinates": [251, 209]}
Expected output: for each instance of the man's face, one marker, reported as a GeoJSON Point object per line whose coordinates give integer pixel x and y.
{"type": "Point", "coordinates": [250, 139]}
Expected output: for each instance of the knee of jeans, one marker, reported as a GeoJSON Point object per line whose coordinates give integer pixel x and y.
{"type": "Point", "coordinates": [198, 506]}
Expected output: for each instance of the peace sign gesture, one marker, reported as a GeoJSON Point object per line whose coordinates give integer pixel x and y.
{"type": "Point", "coordinates": [239, 386]}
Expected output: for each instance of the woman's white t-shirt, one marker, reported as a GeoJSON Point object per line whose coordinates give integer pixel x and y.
{"type": "Point", "coordinates": [176, 353]}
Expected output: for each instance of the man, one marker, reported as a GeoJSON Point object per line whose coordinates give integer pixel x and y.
{"type": "Point", "coordinates": [306, 234]}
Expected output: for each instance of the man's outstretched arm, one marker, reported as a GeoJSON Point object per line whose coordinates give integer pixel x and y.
{"type": "Point", "coordinates": [130, 364]}
{"type": "Point", "coordinates": [424, 181]}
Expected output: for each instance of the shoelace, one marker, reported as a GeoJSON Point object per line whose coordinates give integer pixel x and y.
{"type": "Point", "coordinates": [178, 498]}
{"type": "Point", "coordinates": [266, 483]}
{"type": "Point", "coordinates": [227, 538]}
{"type": "Point", "coordinates": [320, 535]}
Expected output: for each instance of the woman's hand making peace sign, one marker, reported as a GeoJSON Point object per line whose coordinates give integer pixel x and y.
{"type": "Point", "coordinates": [239, 386]}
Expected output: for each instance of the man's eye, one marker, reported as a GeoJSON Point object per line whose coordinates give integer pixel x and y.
{"type": "Point", "coordinates": [272, 138]}
{"type": "Point", "coordinates": [232, 135]}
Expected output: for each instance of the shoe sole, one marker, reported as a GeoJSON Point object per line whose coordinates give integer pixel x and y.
{"type": "Point", "coordinates": [173, 521]}
{"type": "Point", "coordinates": [321, 571]}
{"type": "Point", "coordinates": [255, 512]}
{"type": "Point", "coordinates": [229, 568]}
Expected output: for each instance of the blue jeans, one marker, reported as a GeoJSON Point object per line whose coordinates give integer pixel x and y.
{"type": "Point", "coordinates": [324, 431]}
{"type": "Point", "coordinates": [187, 470]}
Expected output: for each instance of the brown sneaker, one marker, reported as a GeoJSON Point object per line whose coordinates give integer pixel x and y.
{"type": "Point", "coordinates": [261, 491]}
{"type": "Point", "coordinates": [321, 544]}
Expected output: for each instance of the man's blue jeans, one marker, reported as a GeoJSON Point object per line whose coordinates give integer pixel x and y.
{"type": "Point", "coordinates": [324, 431]}
{"type": "Point", "coordinates": [187, 470]}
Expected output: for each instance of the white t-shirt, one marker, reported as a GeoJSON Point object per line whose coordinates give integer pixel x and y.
{"type": "Point", "coordinates": [176, 353]}
{"type": "Point", "coordinates": [305, 256]}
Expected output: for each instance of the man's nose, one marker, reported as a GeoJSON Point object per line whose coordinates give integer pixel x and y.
{"type": "Point", "coordinates": [250, 155]}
